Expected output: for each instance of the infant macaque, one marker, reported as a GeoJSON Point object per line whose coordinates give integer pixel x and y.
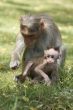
{"type": "Point", "coordinates": [47, 68]}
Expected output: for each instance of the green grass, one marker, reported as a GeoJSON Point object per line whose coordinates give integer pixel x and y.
{"type": "Point", "coordinates": [38, 96]}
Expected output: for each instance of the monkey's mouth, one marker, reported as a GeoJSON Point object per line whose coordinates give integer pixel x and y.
{"type": "Point", "coordinates": [33, 35]}
{"type": "Point", "coordinates": [30, 35]}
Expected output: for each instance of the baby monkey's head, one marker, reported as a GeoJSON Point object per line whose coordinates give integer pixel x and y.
{"type": "Point", "coordinates": [51, 55]}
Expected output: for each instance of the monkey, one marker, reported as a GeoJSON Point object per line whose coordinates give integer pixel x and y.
{"type": "Point", "coordinates": [48, 67]}
{"type": "Point", "coordinates": [37, 33]}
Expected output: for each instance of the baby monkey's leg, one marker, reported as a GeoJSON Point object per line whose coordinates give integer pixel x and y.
{"type": "Point", "coordinates": [39, 71]}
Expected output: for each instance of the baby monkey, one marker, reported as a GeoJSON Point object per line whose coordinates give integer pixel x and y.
{"type": "Point", "coordinates": [47, 68]}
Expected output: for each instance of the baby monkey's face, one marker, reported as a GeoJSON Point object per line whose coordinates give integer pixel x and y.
{"type": "Point", "coordinates": [51, 55]}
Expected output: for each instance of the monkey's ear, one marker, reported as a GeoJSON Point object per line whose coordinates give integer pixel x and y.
{"type": "Point", "coordinates": [58, 56]}
{"type": "Point", "coordinates": [42, 23]}
{"type": "Point", "coordinates": [57, 49]}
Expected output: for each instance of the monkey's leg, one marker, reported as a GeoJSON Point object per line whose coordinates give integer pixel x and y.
{"type": "Point", "coordinates": [55, 76]}
{"type": "Point", "coordinates": [39, 71]}
{"type": "Point", "coordinates": [21, 78]}
{"type": "Point", "coordinates": [62, 58]}
{"type": "Point", "coordinates": [14, 63]}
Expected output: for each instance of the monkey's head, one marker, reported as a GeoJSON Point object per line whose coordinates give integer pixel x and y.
{"type": "Point", "coordinates": [51, 55]}
{"type": "Point", "coordinates": [31, 25]}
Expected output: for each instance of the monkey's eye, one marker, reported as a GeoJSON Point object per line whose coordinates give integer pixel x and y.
{"type": "Point", "coordinates": [48, 56]}
{"type": "Point", "coordinates": [52, 56]}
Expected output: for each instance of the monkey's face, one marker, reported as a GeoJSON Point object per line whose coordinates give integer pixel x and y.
{"type": "Point", "coordinates": [51, 55]}
{"type": "Point", "coordinates": [28, 25]}
{"type": "Point", "coordinates": [31, 25]}
{"type": "Point", "coordinates": [30, 28]}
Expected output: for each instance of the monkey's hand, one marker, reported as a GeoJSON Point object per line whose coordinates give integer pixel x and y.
{"type": "Point", "coordinates": [48, 81]}
{"type": "Point", "coordinates": [19, 78]}
{"type": "Point", "coordinates": [14, 64]}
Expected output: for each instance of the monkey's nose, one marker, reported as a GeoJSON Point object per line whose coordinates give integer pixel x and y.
{"type": "Point", "coordinates": [50, 61]}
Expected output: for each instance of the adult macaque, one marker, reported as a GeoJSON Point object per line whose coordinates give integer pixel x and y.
{"type": "Point", "coordinates": [47, 68]}
{"type": "Point", "coordinates": [37, 33]}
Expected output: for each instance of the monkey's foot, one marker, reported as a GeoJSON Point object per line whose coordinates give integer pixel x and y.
{"type": "Point", "coordinates": [19, 79]}
{"type": "Point", "coordinates": [48, 82]}
{"type": "Point", "coordinates": [14, 64]}
{"type": "Point", "coordinates": [34, 81]}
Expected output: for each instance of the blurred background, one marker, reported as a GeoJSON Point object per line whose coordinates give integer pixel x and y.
{"type": "Point", "coordinates": [10, 12]}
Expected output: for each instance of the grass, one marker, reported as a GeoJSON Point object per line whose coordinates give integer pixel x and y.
{"type": "Point", "coordinates": [39, 96]}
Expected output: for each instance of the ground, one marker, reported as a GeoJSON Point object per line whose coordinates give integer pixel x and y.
{"type": "Point", "coordinates": [38, 96]}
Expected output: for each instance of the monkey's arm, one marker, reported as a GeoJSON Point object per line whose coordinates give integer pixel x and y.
{"type": "Point", "coordinates": [21, 78]}
{"type": "Point", "coordinates": [14, 63]}
{"type": "Point", "coordinates": [39, 71]}
{"type": "Point", "coordinates": [27, 68]}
